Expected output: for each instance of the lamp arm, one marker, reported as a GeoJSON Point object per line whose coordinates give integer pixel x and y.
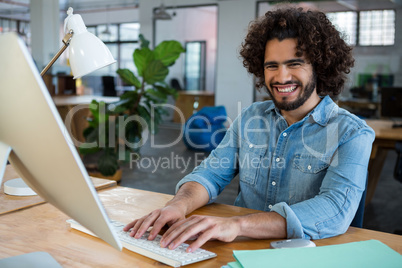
{"type": "Point", "coordinates": [66, 41]}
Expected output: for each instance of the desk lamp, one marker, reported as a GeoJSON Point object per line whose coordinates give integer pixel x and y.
{"type": "Point", "coordinates": [87, 53]}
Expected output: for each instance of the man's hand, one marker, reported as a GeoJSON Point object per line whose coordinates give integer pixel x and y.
{"type": "Point", "coordinates": [157, 219]}
{"type": "Point", "coordinates": [203, 228]}
{"type": "Point", "coordinates": [191, 196]}
{"type": "Point", "coordinates": [263, 225]}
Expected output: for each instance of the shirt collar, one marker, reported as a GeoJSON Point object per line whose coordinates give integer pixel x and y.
{"type": "Point", "coordinates": [321, 113]}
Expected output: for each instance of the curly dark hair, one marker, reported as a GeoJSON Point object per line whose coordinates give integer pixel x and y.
{"type": "Point", "coordinates": [317, 38]}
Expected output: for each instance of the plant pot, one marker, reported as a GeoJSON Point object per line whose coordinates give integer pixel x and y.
{"type": "Point", "coordinates": [92, 171]}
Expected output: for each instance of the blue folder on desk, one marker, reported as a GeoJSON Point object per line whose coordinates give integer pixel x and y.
{"type": "Point", "coordinates": [371, 253]}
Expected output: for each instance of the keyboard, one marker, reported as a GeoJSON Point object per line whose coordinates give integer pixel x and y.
{"type": "Point", "coordinates": [151, 248]}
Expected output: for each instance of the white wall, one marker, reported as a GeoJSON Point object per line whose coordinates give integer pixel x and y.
{"type": "Point", "coordinates": [233, 84]}
{"type": "Point", "coordinates": [192, 24]}
{"type": "Point", "coordinates": [111, 16]}
{"type": "Point", "coordinates": [44, 31]}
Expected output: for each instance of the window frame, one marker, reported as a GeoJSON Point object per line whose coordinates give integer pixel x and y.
{"type": "Point", "coordinates": [356, 33]}
{"type": "Point", "coordinates": [118, 42]}
{"type": "Point", "coordinates": [357, 25]}
{"type": "Point", "coordinates": [201, 65]}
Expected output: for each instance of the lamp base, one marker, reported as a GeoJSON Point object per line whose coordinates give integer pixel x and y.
{"type": "Point", "coordinates": [18, 187]}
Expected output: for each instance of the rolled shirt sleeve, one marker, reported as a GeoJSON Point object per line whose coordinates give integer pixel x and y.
{"type": "Point", "coordinates": [333, 209]}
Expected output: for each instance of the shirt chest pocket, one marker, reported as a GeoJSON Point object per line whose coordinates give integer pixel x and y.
{"type": "Point", "coordinates": [310, 164]}
{"type": "Point", "coordinates": [251, 160]}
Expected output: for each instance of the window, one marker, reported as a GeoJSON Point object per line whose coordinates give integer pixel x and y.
{"type": "Point", "coordinates": [122, 40]}
{"type": "Point", "coordinates": [194, 72]}
{"type": "Point", "coordinates": [345, 22]}
{"type": "Point", "coordinates": [19, 26]}
{"type": "Point", "coordinates": [377, 28]}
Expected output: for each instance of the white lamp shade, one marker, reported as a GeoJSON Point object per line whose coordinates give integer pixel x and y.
{"type": "Point", "coordinates": [87, 54]}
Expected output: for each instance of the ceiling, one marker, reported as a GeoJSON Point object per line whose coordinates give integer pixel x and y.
{"type": "Point", "coordinates": [20, 8]}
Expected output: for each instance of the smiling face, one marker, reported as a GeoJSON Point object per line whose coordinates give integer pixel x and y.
{"type": "Point", "coordinates": [290, 80]}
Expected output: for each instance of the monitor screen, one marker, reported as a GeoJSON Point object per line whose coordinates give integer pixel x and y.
{"type": "Point", "coordinates": [391, 102]}
{"type": "Point", "coordinates": [41, 149]}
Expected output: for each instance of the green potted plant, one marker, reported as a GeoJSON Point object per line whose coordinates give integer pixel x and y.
{"type": "Point", "coordinates": [115, 129]}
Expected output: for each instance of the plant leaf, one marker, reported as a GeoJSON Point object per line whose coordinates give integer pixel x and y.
{"type": "Point", "coordinates": [144, 114]}
{"type": "Point", "coordinates": [103, 116]}
{"type": "Point", "coordinates": [142, 58]}
{"type": "Point", "coordinates": [131, 95]}
{"type": "Point", "coordinates": [120, 106]}
{"type": "Point", "coordinates": [144, 42]}
{"type": "Point", "coordinates": [155, 72]}
{"type": "Point", "coordinates": [168, 52]}
{"type": "Point", "coordinates": [85, 151]}
{"type": "Point", "coordinates": [90, 134]}
{"type": "Point", "coordinates": [133, 133]}
{"type": "Point", "coordinates": [167, 90]}
{"type": "Point", "coordinates": [107, 163]}
{"type": "Point", "coordinates": [94, 109]}
{"type": "Point", "coordinates": [158, 93]}
{"type": "Point", "coordinates": [128, 77]}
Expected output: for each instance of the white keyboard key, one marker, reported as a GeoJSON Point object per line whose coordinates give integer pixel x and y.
{"type": "Point", "coordinates": [152, 249]}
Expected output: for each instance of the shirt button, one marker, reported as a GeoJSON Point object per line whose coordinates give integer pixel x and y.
{"type": "Point", "coordinates": [270, 206]}
{"type": "Point", "coordinates": [285, 134]}
{"type": "Point", "coordinates": [273, 183]}
{"type": "Point", "coordinates": [309, 167]}
{"type": "Point", "coordinates": [251, 146]}
{"type": "Point", "coordinates": [277, 159]}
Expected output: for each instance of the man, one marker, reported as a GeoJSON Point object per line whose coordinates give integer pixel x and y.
{"type": "Point", "coordinates": [301, 159]}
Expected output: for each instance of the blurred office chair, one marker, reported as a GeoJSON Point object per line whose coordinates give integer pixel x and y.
{"type": "Point", "coordinates": [205, 129]}
{"type": "Point", "coordinates": [398, 164]}
{"type": "Point", "coordinates": [358, 219]}
{"type": "Point", "coordinates": [109, 88]}
{"type": "Point", "coordinates": [174, 83]}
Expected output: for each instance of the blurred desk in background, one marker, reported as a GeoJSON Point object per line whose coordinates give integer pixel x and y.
{"type": "Point", "coordinates": [385, 139]}
{"type": "Point", "coordinates": [190, 102]}
{"type": "Point", "coordinates": [361, 107]}
{"type": "Point", "coordinates": [76, 120]}
{"type": "Point", "coordinates": [10, 203]}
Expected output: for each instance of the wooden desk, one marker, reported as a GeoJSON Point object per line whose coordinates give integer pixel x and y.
{"type": "Point", "coordinates": [76, 122]}
{"type": "Point", "coordinates": [43, 228]}
{"type": "Point", "coordinates": [189, 102]}
{"type": "Point", "coordinates": [385, 139]}
{"type": "Point", "coordinates": [364, 107]}
{"type": "Point", "coordinates": [9, 203]}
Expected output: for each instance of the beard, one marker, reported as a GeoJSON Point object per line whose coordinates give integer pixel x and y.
{"type": "Point", "coordinates": [304, 95]}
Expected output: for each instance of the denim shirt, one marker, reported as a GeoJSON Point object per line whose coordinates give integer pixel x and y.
{"type": "Point", "coordinates": [312, 173]}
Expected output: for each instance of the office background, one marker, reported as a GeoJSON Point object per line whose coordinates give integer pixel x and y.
{"type": "Point", "coordinates": [222, 25]}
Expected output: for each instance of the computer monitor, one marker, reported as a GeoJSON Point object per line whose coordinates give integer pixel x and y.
{"type": "Point", "coordinates": [36, 142]}
{"type": "Point", "coordinates": [391, 102]}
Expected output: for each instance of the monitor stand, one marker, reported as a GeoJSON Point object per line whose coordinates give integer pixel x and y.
{"type": "Point", "coordinates": [5, 151]}
{"type": "Point", "coordinates": [16, 187]}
